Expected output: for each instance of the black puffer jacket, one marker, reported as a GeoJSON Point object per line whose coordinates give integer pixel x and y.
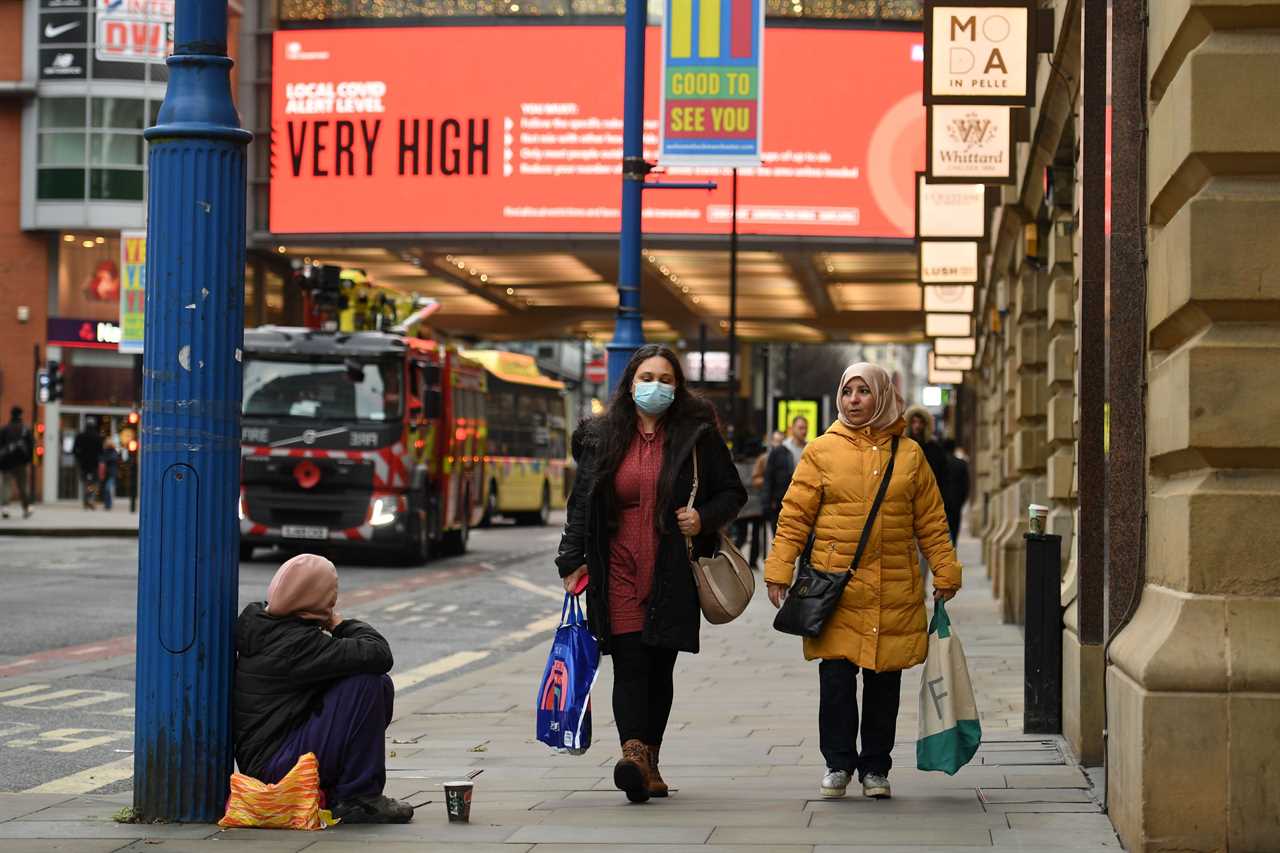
{"type": "Point", "coordinates": [591, 519]}
{"type": "Point", "coordinates": [283, 667]}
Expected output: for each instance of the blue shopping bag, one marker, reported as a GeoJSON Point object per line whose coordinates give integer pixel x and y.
{"type": "Point", "coordinates": [564, 696]}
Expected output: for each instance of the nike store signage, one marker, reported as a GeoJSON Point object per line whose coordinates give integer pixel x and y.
{"type": "Point", "coordinates": [67, 63]}
{"type": "Point", "coordinates": [105, 39]}
{"type": "Point", "coordinates": [980, 52]}
{"type": "Point", "coordinates": [970, 144]}
{"type": "Point", "coordinates": [64, 28]}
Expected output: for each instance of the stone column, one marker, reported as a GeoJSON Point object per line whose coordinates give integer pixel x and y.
{"type": "Point", "coordinates": [1193, 685]}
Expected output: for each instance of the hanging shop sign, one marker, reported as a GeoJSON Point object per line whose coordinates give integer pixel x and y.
{"type": "Point", "coordinates": [956, 346]}
{"type": "Point", "coordinates": [939, 376]}
{"type": "Point", "coordinates": [949, 298]}
{"type": "Point", "coordinates": [950, 211]}
{"type": "Point", "coordinates": [980, 53]}
{"type": "Point", "coordinates": [970, 144]}
{"type": "Point", "coordinates": [134, 30]}
{"type": "Point", "coordinates": [133, 278]}
{"type": "Point", "coordinates": [952, 362]}
{"type": "Point", "coordinates": [948, 325]}
{"type": "Point", "coordinates": [948, 262]}
{"type": "Point", "coordinates": [712, 76]}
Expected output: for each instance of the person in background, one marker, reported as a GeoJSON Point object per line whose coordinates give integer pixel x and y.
{"type": "Point", "coordinates": [308, 680]}
{"type": "Point", "coordinates": [878, 625]}
{"type": "Point", "coordinates": [629, 535]}
{"type": "Point", "coordinates": [779, 468]}
{"type": "Point", "coordinates": [87, 451]}
{"type": "Point", "coordinates": [920, 430]}
{"type": "Point", "coordinates": [16, 447]}
{"type": "Point", "coordinates": [750, 521]}
{"type": "Point", "coordinates": [108, 471]}
{"type": "Point", "coordinates": [957, 493]}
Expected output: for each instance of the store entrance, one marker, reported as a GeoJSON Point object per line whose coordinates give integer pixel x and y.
{"type": "Point", "coordinates": [114, 429]}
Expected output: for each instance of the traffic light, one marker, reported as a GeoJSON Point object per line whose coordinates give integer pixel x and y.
{"type": "Point", "coordinates": [133, 419]}
{"type": "Point", "coordinates": [49, 382]}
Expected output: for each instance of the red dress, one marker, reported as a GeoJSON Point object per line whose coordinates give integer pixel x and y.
{"type": "Point", "coordinates": [634, 548]}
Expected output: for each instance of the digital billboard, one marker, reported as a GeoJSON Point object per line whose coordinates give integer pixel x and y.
{"type": "Point", "coordinates": [478, 130]}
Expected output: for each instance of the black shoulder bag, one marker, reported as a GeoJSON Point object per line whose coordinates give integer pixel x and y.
{"type": "Point", "coordinates": [814, 594]}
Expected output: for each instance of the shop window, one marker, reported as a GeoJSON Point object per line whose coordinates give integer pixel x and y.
{"type": "Point", "coordinates": [62, 149]}
{"type": "Point", "coordinates": [65, 142]}
{"type": "Point", "coordinates": [89, 275]}
{"type": "Point", "coordinates": [62, 112]}
{"type": "Point", "coordinates": [60, 184]}
{"type": "Point", "coordinates": [116, 184]}
{"type": "Point", "coordinates": [116, 149]}
{"type": "Point", "coordinates": [275, 296]}
{"type": "Point", "coordinates": [124, 113]}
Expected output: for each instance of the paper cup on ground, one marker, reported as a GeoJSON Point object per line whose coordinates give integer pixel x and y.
{"type": "Point", "coordinates": [1036, 516]}
{"type": "Point", "coordinates": [457, 800]}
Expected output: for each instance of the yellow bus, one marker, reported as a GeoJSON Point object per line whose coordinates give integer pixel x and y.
{"type": "Point", "coordinates": [527, 439]}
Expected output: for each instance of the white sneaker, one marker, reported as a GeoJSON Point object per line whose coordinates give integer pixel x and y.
{"type": "Point", "coordinates": [834, 784]}
{"type": "Point", "coordinates": [876, 786]}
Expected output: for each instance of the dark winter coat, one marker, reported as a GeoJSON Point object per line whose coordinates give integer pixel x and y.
{"type": "Point", "coordinates": [778, 471]}
{"type": "Point", "coordinates": [674, 617]}
{"type": "Point", "coordinates": [16, 446]}
{"type": "Point", "coordinates": [957, 493]}
{"type": "Point", "coordinates": [284, 665]}
{"type": "Point", "coordinates": [87, 450]}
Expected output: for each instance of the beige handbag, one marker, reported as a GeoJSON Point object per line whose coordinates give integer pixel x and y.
{"type": "Point", "coordinates": [724, 580]}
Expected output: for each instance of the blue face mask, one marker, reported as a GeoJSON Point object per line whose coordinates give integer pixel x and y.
{"type": "Point", "coordinates": [653, 398]}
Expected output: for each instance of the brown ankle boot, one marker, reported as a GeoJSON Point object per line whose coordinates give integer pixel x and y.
{"type": "Point", "coordinates": [632, 774]}
{"type": "Point", "coordinates": [657, 787]}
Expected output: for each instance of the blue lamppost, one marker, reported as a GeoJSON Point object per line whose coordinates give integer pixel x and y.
{"type": "Point", "coordinates": [628, 331]}
{"type": "Point", "coordinates": [188, 538]}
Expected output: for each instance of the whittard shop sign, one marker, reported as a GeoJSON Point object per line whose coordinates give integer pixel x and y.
{"type": "Point", "coordinates": [971, 144]}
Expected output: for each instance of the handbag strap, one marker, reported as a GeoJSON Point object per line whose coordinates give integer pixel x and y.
{"type": "Point", "coordinates": [693, 493]}
{"type": "Point", "coordinates": [875, 507]}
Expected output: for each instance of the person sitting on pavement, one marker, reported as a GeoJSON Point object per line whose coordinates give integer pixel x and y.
{"type": "Point", "coordinates": [308, 680]}
{"type": "Point", "coordinates": [879, 624]}
{"type": "Point", "coordinates": [630, 532]}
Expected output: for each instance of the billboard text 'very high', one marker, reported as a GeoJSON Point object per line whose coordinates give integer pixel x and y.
{"type": "Point", "coordinates": [474, 130]}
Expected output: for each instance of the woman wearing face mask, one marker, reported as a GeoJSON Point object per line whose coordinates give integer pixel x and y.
{"type": "Point", "coordinates": [879, 625]}
{"type": "Point", "coordinates": [625, 533]}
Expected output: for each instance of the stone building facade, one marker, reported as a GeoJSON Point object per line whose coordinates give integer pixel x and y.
{"type": "Point", "coordinates": [1128, 327]}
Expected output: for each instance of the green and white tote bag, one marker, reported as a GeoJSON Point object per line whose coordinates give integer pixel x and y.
{"type": "Point", "coordinates": [949, 729]}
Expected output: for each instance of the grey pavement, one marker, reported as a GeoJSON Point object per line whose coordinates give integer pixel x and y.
{"type": "Point", "coordinates": [741, 755]}
{"type": "Point", "coordinates": [70, 518]}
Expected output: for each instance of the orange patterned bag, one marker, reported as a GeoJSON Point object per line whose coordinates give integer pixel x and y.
{"type": "Point", "coordinates": [291, 803]}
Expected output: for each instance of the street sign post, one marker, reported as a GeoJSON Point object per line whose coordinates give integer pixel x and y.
{"type": "Point", "coordinates": [188, 539]}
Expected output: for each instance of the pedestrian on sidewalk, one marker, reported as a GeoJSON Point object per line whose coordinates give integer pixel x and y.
{"type": "Point", "coordinates": [779, 468]}
{"type": "Point", "coordinates": [108, 471]}
{"type": "Point", "coordinates": [16, 447]}
{"type": "Point", "coordinates": [957, 491]}
{"type": "Point", "coordinates": [308, 680]}
{"type": "Point", "coordinates": [879, 625]}
{"type": "Point", "coordinates": [87, 451]}
{"type": "Point", "coordinates": [625, 532]}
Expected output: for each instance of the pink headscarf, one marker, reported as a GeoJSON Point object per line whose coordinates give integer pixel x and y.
{"type": "Point", "coordinates": [889, 403]}
{"type": "Point", "coordinates": [305, 586]}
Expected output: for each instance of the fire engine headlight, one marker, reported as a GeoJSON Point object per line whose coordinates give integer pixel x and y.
{"type": "Point", "coordinates": [383, 513]}
{"type": "Point", "coordinates": [240, 508]}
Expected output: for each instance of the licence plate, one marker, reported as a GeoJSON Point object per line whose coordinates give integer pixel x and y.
{"type": "Point", "coordinates": [302, 531]}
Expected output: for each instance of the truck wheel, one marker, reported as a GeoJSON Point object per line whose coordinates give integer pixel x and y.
{"type": "Point", "coordinates": [455, 542]}
{"type": "Point", "coordinates": [418, 549]}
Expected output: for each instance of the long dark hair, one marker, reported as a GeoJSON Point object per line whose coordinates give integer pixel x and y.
{"type": "Point", "coordinates": [616, 428]}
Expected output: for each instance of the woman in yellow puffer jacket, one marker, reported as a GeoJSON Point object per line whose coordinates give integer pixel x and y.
{"type": "Point", "coordinates": [880, 624]}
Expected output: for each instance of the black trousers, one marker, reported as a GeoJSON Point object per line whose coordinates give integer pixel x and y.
{"type": "Point", "coordinates": [643, 688]}
{"type": "Point", "coordinates": [838, 717]}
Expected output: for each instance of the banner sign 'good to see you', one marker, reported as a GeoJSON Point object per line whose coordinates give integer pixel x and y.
{"type": "Point", "coordinates": [712, 71]}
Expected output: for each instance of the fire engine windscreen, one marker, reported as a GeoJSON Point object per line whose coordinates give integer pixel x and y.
{"type": "Point", "coordinates": [322, 390]}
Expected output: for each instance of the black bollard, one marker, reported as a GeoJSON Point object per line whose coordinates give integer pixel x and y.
{"type": "Point", "coordinates": [1042, 663]}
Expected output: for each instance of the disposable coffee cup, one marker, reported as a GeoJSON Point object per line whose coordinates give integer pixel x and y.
{"type": "Point", "coordinates": [457, 799]}
{"type": "Point", "coordinates": [1036, 515]}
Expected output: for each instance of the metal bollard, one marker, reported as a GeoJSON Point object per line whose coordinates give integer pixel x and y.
{"type": "Point", "coordinates": [1042, 661]}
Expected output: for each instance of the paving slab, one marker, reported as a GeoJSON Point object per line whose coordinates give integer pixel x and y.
{"type": "Point", "coordinates": [62, 845]}
{"type": "Point", "coordinates": [641, 835]}
{"type": "Point", "coordinates": [844, 835]}
{"type": "Point", "coordinates": [1034, 795]}
{"type": "Point", "coordinates": [18, 805]}
{"type": "Point", "coordinates": [1056, 839]}
{"type": "Point", "coordinates": [665, 848]}
{"type": "Point", "coordinates": [335, 846]}
{"type": "Point", "coordinates": [102, 829]}
{"type": "Point", "coordinates": [272, 841]}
